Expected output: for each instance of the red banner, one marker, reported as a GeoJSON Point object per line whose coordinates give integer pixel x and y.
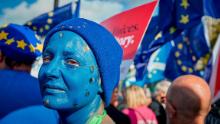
{"type": "Point", "coordinates": [129, 27]}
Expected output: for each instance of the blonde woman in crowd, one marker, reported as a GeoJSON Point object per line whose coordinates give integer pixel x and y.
{"type": "Point", "coordinates": [137, 110]}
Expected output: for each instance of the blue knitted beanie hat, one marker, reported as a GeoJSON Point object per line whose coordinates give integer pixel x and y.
{"type": "Point", "coordinates": [19, 43]}
{"type": "Point", "coordinates": [104, 46]}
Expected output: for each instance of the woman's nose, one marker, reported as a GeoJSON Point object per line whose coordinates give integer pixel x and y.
{"type": "Point", "coordinates": [53, 69]}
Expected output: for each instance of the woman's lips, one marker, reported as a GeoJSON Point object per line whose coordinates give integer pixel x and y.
{"type": "Point", "coordinates": [53, 89]}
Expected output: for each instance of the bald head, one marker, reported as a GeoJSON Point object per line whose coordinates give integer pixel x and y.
{"type": "Point", "coordinates": [189, 96]}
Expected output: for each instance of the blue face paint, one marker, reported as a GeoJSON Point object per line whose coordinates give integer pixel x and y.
{"type": "Point", "coordinates": [69, 76]}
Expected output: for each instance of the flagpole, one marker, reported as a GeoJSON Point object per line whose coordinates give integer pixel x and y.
{"type": "Point", "coordinates": [56, 3]}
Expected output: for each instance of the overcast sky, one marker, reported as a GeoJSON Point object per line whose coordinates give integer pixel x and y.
{"type": "Point", "coordinates": [20, 11]}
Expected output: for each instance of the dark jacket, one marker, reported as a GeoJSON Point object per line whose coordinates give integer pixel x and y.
{"type": "Point", "coordinates": [214, 115]}
{"type": "Point", "coordinates": [159, 111]}
{"type": "Point", "coordinates": [117, 116]}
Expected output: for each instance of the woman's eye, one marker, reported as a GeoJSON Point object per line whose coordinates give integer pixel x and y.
{"type": "Point", "coordinates": [46, 59]}
{"type": "Point", "coordinates": [72, 62]}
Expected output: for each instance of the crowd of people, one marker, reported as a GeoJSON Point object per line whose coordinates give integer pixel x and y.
{"type": "Point", "coordinates": [78, 82]}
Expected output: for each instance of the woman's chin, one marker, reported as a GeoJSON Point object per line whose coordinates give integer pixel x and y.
{"type": "Point", "coordinates": [56, 103]}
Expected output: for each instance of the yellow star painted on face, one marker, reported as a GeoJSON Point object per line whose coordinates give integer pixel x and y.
{"type": "Point", "coordinates": [184, 19]}
{"type": "Point", "coordinates": [86, 48]}
{"type": "Point", "coordinates": [185, 4]}
{"type": "Point", "coordinates": [39, 47]}
{"type": "Point", "coordinates": [172, 30]}
{"type": "Point", "coordinates": [21, 44]}
{"type": "Point", "coordinates": [3, 35]}
{"type": "Point", "coordinates": [9, 41]}
{"type": "Point", "coordinates": [31, 47]}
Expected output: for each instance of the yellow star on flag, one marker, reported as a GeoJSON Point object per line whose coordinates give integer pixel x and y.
{"type": "Point", "coordinates": [184, 68]}
{"type": "Point", "coordinates": [177, 54]}
{"type": "Point", "coordinates": [9, 41]}
{"type": "Point", "coordinates": [39, 47]}
{"type": "Point", "coordinates": [180, 46]}
{"type": "Point", "coordinates": [21, 44]}
{"type": "Point", "coordinates": [31, 47]}
{"type": "Point", "coordinates": [3, 35]}
{"type": "Point", "coordinates": [29, 23]}
{"type": "Point", "coordinates": [41, 30]}
{"type": "Point", "coordinates": [185, 4]}
{"type": "Point", "coordinates": [50, 14]}
{"type": "Point", "coordinates": [47, 27]}
{"type": "Point", "coordinates": [184, 19]}
{"type": "Point", "coordinates": [49, 21]}
{"type": "Point", "coordinates": [4, 25]}
{"type": "Point", "coordinates": [190, 70]}
{"type": "Point", "coordinates": [179, 62]}
{"type": "Point", "coordinates": [34, 28]}
{"type": "Point", "coordinates": [172, 30]}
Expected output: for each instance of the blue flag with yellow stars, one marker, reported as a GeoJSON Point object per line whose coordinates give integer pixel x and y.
{"type": "Point", "coordinates": [159, 31]}
{"type": "Point", "coordinates": [43, 23]}
{"type": "Point", "coordinates": [183, 22]}
{"type": "Point", "coordinates": [188, 13]}
{"type": "Point", "coordinates": [181, 15]}
{"type": "Point", "coordinates": [190, 54]}
{"type": "Point", "coordinates": [156, 66]}
{"type": "Point", "coordinates": [142, 56]}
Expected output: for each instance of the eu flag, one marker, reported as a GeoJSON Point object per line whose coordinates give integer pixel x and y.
{"type": "Point", "coordinates": [142, 54]}
{"type": "Point", "coordinates": [183, 27]}
{"type": "Point", "coordinates": [176, 16]}
{"type": "Point", "coordinates": [153, 39]}
{"type": "Point", "coordinates": [43, 23]}
{"type": "Point", "coordinates": [190, 54]}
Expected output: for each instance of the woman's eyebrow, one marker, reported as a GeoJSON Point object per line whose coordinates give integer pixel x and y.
{"type": "Point", "coordinates": [48, 50]}
{"type": "Point", "coordinates": [68, 52]}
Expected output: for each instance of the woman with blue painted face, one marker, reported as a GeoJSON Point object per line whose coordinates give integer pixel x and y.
{"type": "Point", "coordinates": [81, 62]}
